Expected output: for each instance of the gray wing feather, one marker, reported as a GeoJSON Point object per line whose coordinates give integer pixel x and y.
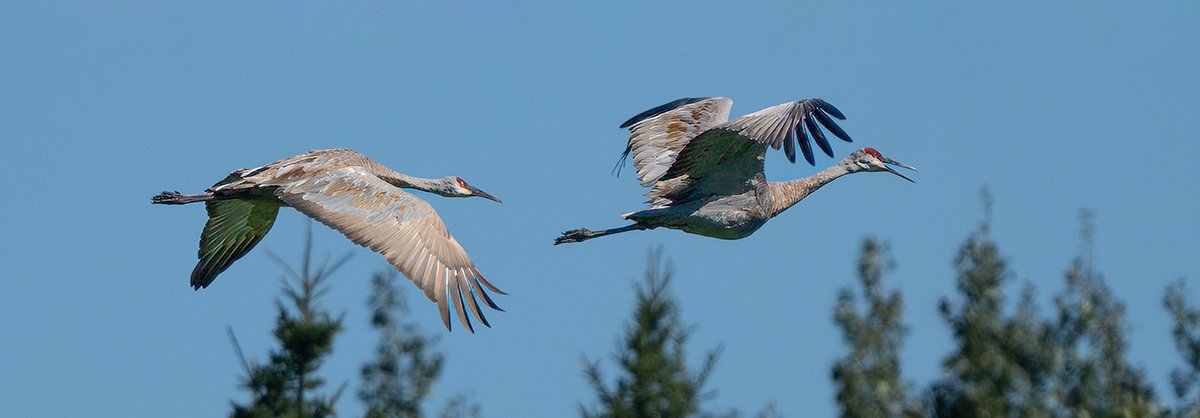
{"type": "Point", "coordinates": [401, 227]}
{"type": "Point", "coordinates": [776, 124]}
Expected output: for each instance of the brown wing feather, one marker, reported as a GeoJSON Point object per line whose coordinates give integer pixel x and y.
{"type": "Point", "coordinates": [655, 141]}
{"type": "Point", "coordinates": [398, 225]}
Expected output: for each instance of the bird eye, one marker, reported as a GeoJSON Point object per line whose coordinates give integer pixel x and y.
{"type": "Point", "coordinates": [461, 183]}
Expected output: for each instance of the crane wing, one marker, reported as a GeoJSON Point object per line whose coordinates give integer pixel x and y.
{"type": "Point", "coordinates": [234, 227]}
{"type": "Point", "coordinates": [657, 135]}
{"type": "Point", "coordinates": [785, 125]}
{"type": "Point", "coordinates": [300, 166]}
{"type": "Point", "coordinates": [718, 162]}
{"type": "Point", "coordinates": [406, 230]}
{"type": "Point", "coordinates": [724, 159]}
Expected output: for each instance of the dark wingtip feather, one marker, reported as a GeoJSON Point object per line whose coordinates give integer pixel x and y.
{"type": "Point", "coordinates": [477, 289]}
{"type": "Point", "coordinates": [660, 110]}
{"type": "Point", "coordinates": [824, 105]}
{"type": "Point", "coordinates": [461, 308]}
{"type": "Point", "coordinates": [488, 284]}
{"type": "Point", "coordinates": [481, 316]}
{"type": "Point", "coordinates": [789, 146]}
{"type": "Point", "coordinates": [621, 162]}
{"type": "Point", "coordinates": [202, 283]}
{"type": "Point", "coordinates": [490, 303]}
{"type": "Point", "coordinates": [205, 272]}
{"type": "Point", "coordinates": [818, 136]}
{"type": "Point", "coordinates": [831, 125]}
{"type": "Point", "coordinates": [804, 145]}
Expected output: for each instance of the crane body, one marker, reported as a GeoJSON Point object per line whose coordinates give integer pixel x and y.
{"type": "Point", "coordinates": [725, 217]}
{"type": "Point", "coordinates": [358, 197]}
{"type": "Point", "coordinates": [707, 175]}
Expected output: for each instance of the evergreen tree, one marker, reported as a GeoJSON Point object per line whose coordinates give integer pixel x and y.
{"type": "Point", "coordinates": [654, 380]}
{"type": "Point", "coordinates": [283, 386]}
{"type": "Point", "coordinates": [1186, 333]}
{"type": "Point", "coordinates": [460, 406]}
{"type": "Point", "coordinates": [868, 378]}
{"type": "Point", "coordinates": [402, 375]}
{"type": "Point", "coordinates": [1094, 378]}
{"type": "Point", "coordinates": [1001, 365]}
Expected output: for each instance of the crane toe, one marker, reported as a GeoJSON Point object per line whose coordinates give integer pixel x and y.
{"type": "Point", "coordinates": [573, 236]}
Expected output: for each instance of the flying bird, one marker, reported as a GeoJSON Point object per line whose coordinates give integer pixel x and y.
{"type": "Point", "coordinates": [361, 199]}
{"type": "Point", "coordinates": [706, 174]}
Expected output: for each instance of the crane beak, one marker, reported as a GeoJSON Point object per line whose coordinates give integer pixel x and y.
{"type": "Point", "coordinates": [484, 194]}
{"type": "Point", "coordinates": [898, 164]}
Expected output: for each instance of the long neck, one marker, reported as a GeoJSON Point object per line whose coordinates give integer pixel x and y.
{"type": "Point", "coordinates": [784, 194]}
{"type": "Point", "coordinates": [405, 181]}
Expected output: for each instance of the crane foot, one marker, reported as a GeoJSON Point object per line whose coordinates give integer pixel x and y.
{"type": "Point", "coordinates": [577, 235]}
{"type": "Point", "coordinates": [167, 198]}
{"type": "Point", "coordinates": [176, 198]}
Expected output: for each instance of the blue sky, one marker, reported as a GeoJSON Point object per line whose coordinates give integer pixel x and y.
{"type": "Point", "coordinates": [1057, 107]}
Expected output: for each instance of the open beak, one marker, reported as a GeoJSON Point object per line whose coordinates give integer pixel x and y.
{"type": "Point", "coordinates": [484, 195]}
{"type": "Point", "coordinates": [898, 164]}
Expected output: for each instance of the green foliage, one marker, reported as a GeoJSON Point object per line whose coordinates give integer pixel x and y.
{"type": "Point", "coordinates": [868, 378]}
{"type": "Point", "coordinates": [1021, 365]}
{"type": "Point", "coordinates": [654, 379]}
{"type": "Point", "coordinates": [460, 406]}
{"type": "Point", "coordinates": [1001, 363]}
{"type": "Point", "coordinates": [283, 386]}
{"type": "Point", "coordinates": [1093, 376]}
{"type": "Point", "coordinates": [395, 383]}
{"type": "Point", "coordinates": [1186, 333]}
{"type": "Point", "coordinates": [405, 367]}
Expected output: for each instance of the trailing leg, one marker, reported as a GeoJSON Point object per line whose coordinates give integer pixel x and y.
{"type": "Point", "coordinates": [584, 234]}
{"type": "Point", "coordinates": [176, 198]}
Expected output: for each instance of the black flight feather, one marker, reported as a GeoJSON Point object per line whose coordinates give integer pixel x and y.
{"type": "Point", "coordinates": [661, 109]}
{"type": "Point", "coordinates": [831, 125]}
{"type": "Point", "coordinates": [804, 145]}
{"type": "Point", "coordinates": [789, 146]}
{"type": "Point", "coordinates": [824, 105]}
{"type": "Point", "coordinates": [818, 136]}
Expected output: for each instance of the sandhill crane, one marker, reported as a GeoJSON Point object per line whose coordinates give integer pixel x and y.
{"type": "Point", "coordinates": [356, 196]}
{"type": "Point", "coordinates": [706, 174]}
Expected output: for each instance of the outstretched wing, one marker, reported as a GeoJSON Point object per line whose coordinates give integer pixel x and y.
{"type": "Point", "coordinates": [234, 227]}
{"type": "Point", "coordinates": [657, 135]}
{"type": "Point", "coordinates": [723, 159]}
{"type": "Point", "coordinates": [785, 124]}
{"type": "Point", "coordinates": [405, 229]}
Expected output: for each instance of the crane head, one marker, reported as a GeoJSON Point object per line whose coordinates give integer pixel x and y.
{"type": "Point", "coordinates": [460, 188]}
{"type": "Point", "coordinates": [869, 159]}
